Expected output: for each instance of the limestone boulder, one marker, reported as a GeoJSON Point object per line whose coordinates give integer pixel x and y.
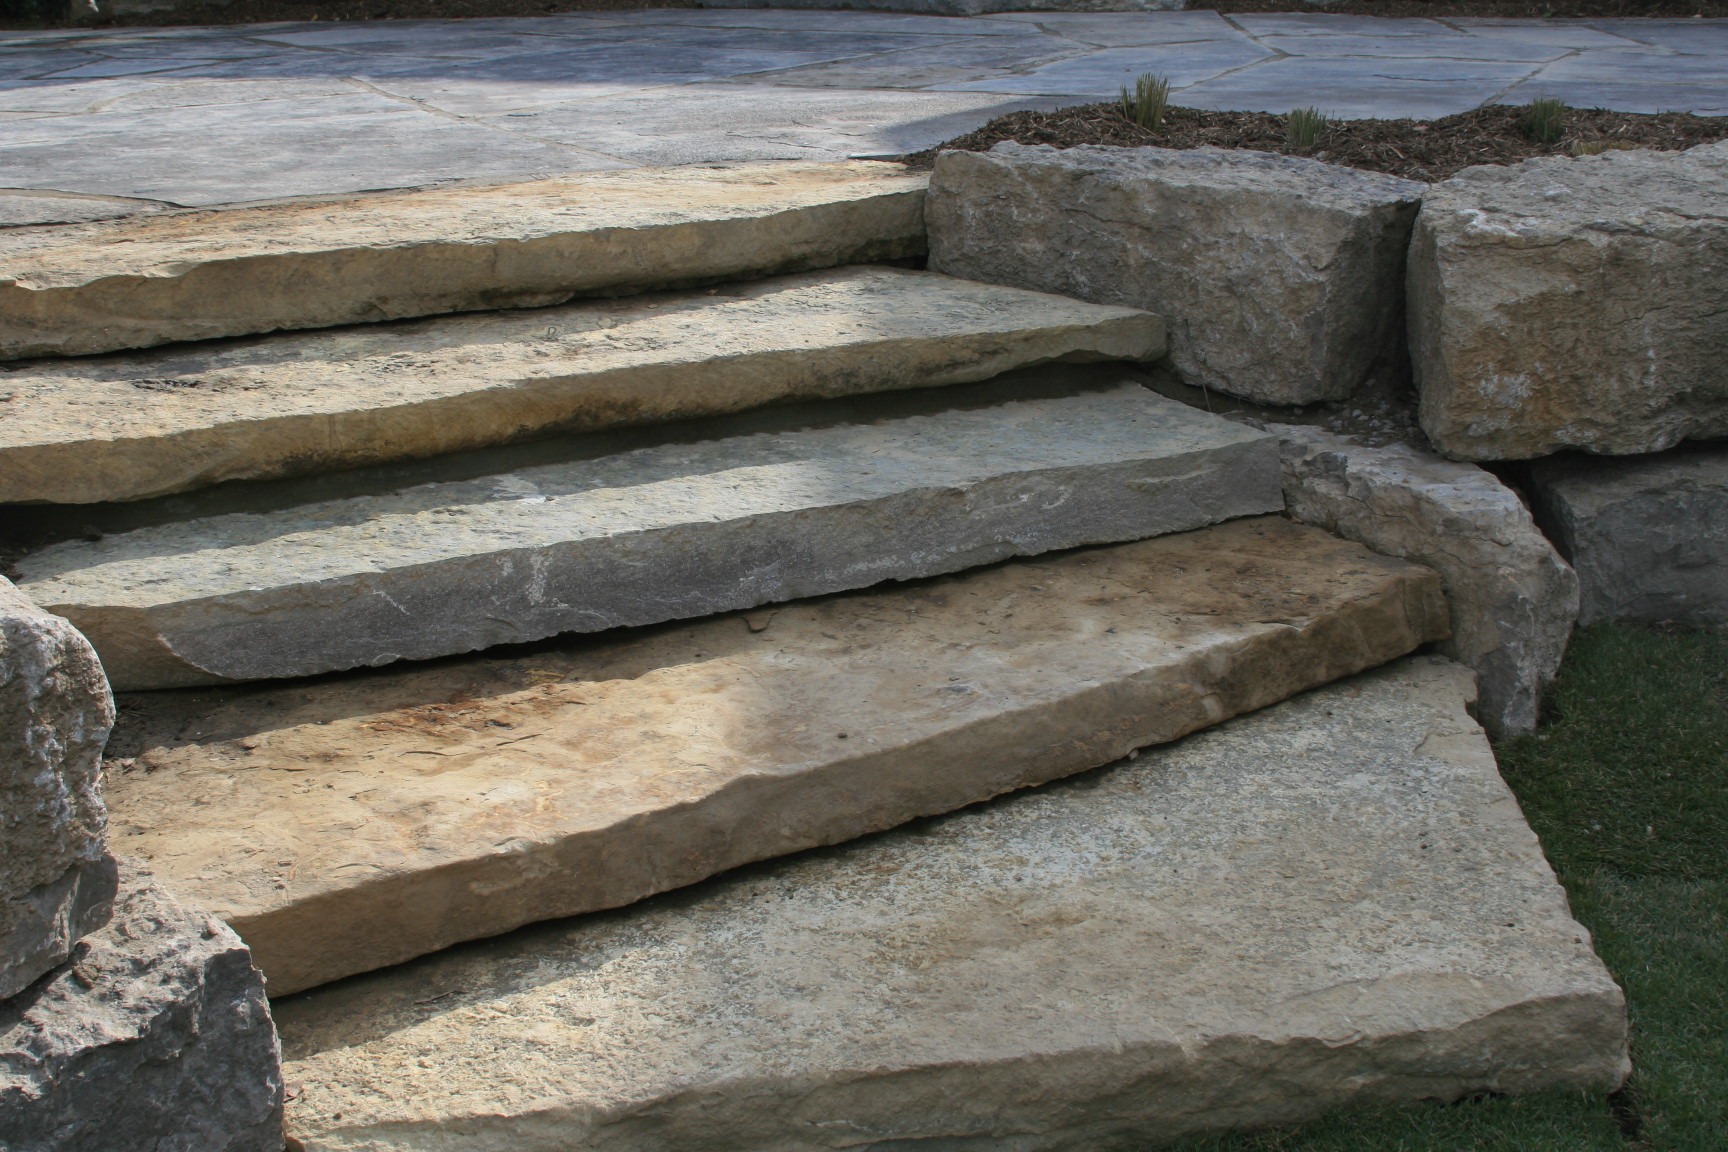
{"type": "Point", "coordinates": [157, 1037]}
{"type": "Point", "coordinates": [1648, 535]}
{"type": "Point", "coordinates": [1514, 600]}
{"type": "Point", "coordinates": [57, 880]}
{"type": "Point", "coordinates": [1573, 303]}
{"type": "Point", "coordinates": [1281, 278]}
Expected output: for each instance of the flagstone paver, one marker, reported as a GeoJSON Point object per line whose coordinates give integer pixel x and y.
{"type": "Point", "coordinates": [200, 116]}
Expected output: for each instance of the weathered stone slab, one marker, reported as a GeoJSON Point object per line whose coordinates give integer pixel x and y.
{"type": "Point", "coordinates": [963, 7]}
{"type": "Point", "coordinates": [660, 533]}
{"type": "Point", "coordinates": [157, 1036]}
{"type": "Point", "coordinates": [1573, 303]}
{"type": "Point", "coordinates": [1648, 535]}
{"type": "Point", "coordinates": [1280, 277]}
{"type": "Point", "coordinates": [124, 427]}
{"type": "Point", "coordinates": [149, 280]}
{"type": "Point", "coordinates": [348, 825]}
{"type": "Point", "coordinates": [1334, 902]}
{"type": "Point", "coordinates": [1514, 600]}
{"type": "Point", "coordinates": [56, 877]}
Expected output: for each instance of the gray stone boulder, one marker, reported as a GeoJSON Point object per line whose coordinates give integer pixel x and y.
{"type": "Point", "coordinates": [1648, 535]}
{"type": "Point", "coordinates": [155, 1038]}
{"type": "Point", "coordinates": [56, 878]}
{"type": "Point", "coordinates": [1573, 303]}
{"type": "Point", "coordinates": [1514, 600]}
{"type": "Point", "coordinates": [1281, 278]}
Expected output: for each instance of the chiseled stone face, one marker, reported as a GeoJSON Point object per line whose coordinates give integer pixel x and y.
{"type": "Point", "coordinates": [1573, 303]}
{"type": "Point", "coordinates": [1281, 278]}
{"type": "Point", "coordinates": [1514, 600]}
{"type": "Point", "coordinates": [471, 797]}
{"type": "Point", "coordinates": [1329, 902]}
{"type": "Point", "coordinates": [56, 877]}
{"type": "Point", "coordinates": [157, 1036]}
{"type": "Point", "coordinates": [1647, 534]}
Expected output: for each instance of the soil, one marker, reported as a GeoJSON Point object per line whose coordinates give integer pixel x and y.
{"type": "Point", "coordinates": [1416, 150]}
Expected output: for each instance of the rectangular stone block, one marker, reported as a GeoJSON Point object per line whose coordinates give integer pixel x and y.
{"type": "Point", "coordinates": [1573, 303]}
{"type": "Point", "coordinates": [661, 533]}
{"type": "Point", "coordinates": [126, 427]}
{"type": "Point", "coordinates": [197, 275]}
{"type": "Point", "coordinates": [1648, 535]}
{"type": "Point", "coordinates": [350, 824]}
{"type": "Point", "coordinates": [56, 876]}
{"type": "Point", "coordinates": [1281, 278]}
{"type": "Point", "coordinates": [1334, 902]}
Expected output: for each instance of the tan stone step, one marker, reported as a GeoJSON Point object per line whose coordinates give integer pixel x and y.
{"type": "Point", "coordinates": [669, 532]}
{"type": "Point", "coordinates": [1332, 902]}
{"type": "Point", "coordinates": [125, 427]}
{"type": "Point", "coordinates": [153, 279]}
{"type": "Point", "coordinates": [353, 823]}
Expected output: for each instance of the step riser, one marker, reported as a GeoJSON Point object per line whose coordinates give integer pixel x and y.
{"type": "Point", "coordinates": [464, 800]}
{"type": "Point", "coordinates": [234, 276]}
{"type": "Point", "coordinates": [662, 535]}
{"type": "Point", "coordinates": [126, 428]}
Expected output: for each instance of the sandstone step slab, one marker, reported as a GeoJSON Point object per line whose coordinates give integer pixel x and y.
{"type": "Point", "coordinates": [154, 279]}
{"type": "Point", "coordinates": [125, 427]}
{"type": "Point", "coordinates": [664, 533]}
{"type": "Point", "coordinates": [1333, 902]}
{"type": "Point", "coordinates": [349, 824]}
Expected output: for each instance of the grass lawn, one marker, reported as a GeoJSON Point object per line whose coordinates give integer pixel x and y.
{"type": "Point", "coordinates": [1627, 785]}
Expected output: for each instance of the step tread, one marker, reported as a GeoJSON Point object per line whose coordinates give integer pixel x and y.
{"type": "Point", "coordinates": [660, 533]}
{"type": "Point", "coordinates": [1334, 901]}
{"type": "Point", "coordinates": [152, 279]}
{"type": "Point", "coordinates": [348, 824]}
{"type": "Point", "coordinates": [126, 427]}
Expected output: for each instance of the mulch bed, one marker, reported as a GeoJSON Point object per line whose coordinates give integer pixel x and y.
{"type": "Point", "coordinates": [1417, 150]}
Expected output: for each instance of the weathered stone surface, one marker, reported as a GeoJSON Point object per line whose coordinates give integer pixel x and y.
{"type": "Point", "coordinates": [1333, 902]}
{"type": "Point", "coordinates": [1514, 600]}
{"type": "Point", "coordinates": [1280, 277]}
{"type": "Point", "coordinates": [1573, 303]}
{"type": "Point", "coordinates": [156, 1037]}
{"type": "Point", "coordinates": [1648, 535]}
{"type": "Point", "coordinates": [660, 533]}
{"type": "Point", "coordinates": [466, 799]}
{"type": "Point", "coordinates": [964, 7]}
{"type": "Point", "coordinates": [56, 877]}
{"type": "Point", "coordinates": [124, 427]}
{"type": "Point", "coordinates": [153, 279]}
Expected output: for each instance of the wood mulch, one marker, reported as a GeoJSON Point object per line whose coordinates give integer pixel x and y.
{"type": "Point", "coordinates": [1416, 150]}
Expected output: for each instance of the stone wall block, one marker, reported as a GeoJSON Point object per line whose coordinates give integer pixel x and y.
{"type": "Point", "coordinates": [1281, 278]}
{"type": "Point", "coordinates": [1514, 600]}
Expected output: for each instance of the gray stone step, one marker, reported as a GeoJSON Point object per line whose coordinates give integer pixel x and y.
{"type": "Point", "coordinates": [125, 427]}
{"type": "Point", "coordinates": [1333, 901]}
{"type": "Point", "coordinates": [354, 823]}
{"type": "Point", "coordinates": [662, 533]}
{"type": "Point", "coordinates": [153, 279]}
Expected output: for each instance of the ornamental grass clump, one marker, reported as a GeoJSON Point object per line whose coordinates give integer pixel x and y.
{"type": "Point", "coordinates": [1304, 128]}
{"type": "Point", "coordinates": [1545, 120]}
{"type": "Point", "coordinates": [1145, 105]}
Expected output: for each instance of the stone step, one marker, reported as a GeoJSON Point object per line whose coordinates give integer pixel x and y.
{"type": "Point", "coordinates": [349, 824]}
{"type": "Point", "coordinates": [146, 280]}
{"type": "Point", "coordinates": [126, 427]}
{"type": "Point", "coordinates": [662, 533]}
{"type": "Point", "coordinates": [1335, 901]}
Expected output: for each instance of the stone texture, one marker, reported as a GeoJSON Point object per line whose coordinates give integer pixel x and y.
{"type": "Point", "coordinates": [963, 7]}
{"type": "Point", "coordinates": [125, 427]}
{"type": "Point", "coordinates": [660, 533]}
{"type": "Point", "coordinates": [468, 798]}
{"type": "Point", "coordinates": [1334, 902]}
{"type": "Point", "coordinates": [56, 877]}
{"type": "Point", "coordinates": [1573, 303]}
{"type": "Point", "coordinates": [153, 279]}
{"type": "Point", "coordinates": [156, 1038]}
{"type": "Point", "coordinates": [1280, 277]}
{"type": "Point", "coordinates": [1514, 600]}
{"type": "Point", "coordinates": [1648, 535]}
